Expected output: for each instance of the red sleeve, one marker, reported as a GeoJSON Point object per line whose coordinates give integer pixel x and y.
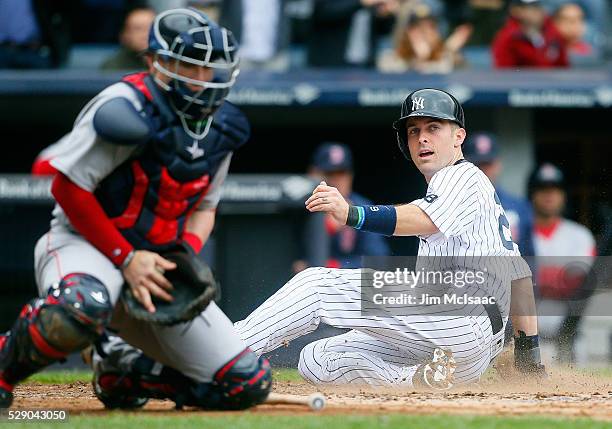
{"type": "Point", "coordinates": [193, 241]}
{"type": "Point", "coordinates": [89, 219]}
{"type": "Point", "coordinates": [43, 167]}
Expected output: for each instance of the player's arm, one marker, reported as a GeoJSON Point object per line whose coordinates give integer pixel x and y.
{"type": "Point", "coordinates": [139, 267]}
{"type": "Point", "coordinates": [523, 308]}
{"type": "Point", "coordinates": [407, 219]}
{"type": "Point", "coordinates": [198, 229]}
{"type": "Point", "coordinates": [524, 318]}
{"type": "Point", "coordinates": [412, 220]}
{"type": "Point", "coordinates": [202, 221]}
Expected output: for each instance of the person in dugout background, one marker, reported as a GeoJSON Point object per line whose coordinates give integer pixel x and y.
{"type": "Point", "coordinates": [565, 251]}
{"type": "Point", "coordinates": [325, 242]}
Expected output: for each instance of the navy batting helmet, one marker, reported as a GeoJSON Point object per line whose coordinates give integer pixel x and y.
{"type": "Point", "coordinates": [190, 36]}
{"type": "Point", "coordinates": [428, 102]}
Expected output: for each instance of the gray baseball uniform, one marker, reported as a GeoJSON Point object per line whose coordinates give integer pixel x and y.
{"type": "Point", "coordinates": [197, 349]}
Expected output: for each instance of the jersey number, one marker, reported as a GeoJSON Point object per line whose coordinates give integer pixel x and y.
{"type": "Point", "coordinates": [503, 223]}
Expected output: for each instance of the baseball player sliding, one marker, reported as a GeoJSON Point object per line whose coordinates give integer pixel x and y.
{"type": "Point", "coordinates": [460, 222]}
{"type": "Point", "coordinates": [140, 175]}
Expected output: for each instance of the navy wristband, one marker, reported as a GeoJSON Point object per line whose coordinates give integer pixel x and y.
{"type": "Point", "coordinates": [378, 219]}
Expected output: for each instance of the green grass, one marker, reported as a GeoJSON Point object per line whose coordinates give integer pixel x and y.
{"type": "Point", "coordinates": [255, 421]}
{"type": "Point", "coordinates": [60, 377]}
{"type": "Point", "coordinates": [66, 377]}
{"type": "Point", "coordinates": [286, 374]}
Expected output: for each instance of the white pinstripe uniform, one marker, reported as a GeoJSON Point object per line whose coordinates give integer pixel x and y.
{"type": "Point", "coordinates": [387, 349]}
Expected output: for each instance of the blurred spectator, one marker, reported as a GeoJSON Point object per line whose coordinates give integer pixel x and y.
{"type": "Point", "coordinates": [598, 14]}
{"type": "Point", "coordinates": [345, 33]}
{"type": "Point", "coordinates": [162, 5]}
{"type": "Point", "coordinates": [260, 31]}
{"type": "Point", "coordinates": [482, 149]}
{"type": "Point", "coordinates": [325, 241]}
{"type": "Point", "coordinates": [565, 251]}
{"type": "Point", "coordinates": [99, 21]}
{"type": "Point", "coordinates": [486, 17]}
{"type": "Point", "coordinates": [418, 42]}
{"type": "Point", "coordinates": [261, 28]}
{"type": "Point", "coordinates": [570, 21]}
{"type": "Point", "coordinates": [34, 34]}
{"type": "Point", "coordinates": [212, 8]}
{"type": "Point", "coordinates": [134, 39]}
{"type": "Point", "coordinates": [529, 38]}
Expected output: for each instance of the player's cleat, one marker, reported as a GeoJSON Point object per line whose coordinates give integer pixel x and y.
{"type": "Point", "coordinates": [439, 373]}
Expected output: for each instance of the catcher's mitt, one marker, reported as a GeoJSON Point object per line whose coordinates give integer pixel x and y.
{"type": "Point", "coordinates": [194, 288]}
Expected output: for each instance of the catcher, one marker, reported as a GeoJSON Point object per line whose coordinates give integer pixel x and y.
{"type": "Point", "coordinates": [137, 186]}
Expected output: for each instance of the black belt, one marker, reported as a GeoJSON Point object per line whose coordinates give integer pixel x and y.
{"type": "Point", "coordinates": [497, 321]}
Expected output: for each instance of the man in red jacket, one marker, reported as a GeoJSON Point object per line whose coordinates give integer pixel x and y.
{"type": "Point", "coordinates": [529, 39]}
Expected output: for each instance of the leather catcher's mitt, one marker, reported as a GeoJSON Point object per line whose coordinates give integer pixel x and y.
{"type": "Point", "coordinates": [194, 288]}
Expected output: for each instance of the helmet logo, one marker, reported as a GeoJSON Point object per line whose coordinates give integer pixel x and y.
{"type": "Point", "coordinates": [98, 296]}
{"type": "Point", "coordinates": [549, 172]}
{"type": "Point", "coordinates": [483, 145]}
{"type": "Point", "coordinates": [336, 155]}
{"type": "Point", "coordinates": [418, 103]}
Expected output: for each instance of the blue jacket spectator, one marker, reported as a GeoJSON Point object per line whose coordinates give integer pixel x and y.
{"type": "Point", "coordinates": [34, 34]}
{"type": "Point", "coordinates": [326, 243]}
{"type": "Point", "coordinates": [344, 33]}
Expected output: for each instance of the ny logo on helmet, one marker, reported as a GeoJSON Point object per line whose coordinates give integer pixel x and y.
{"type": "Point", "coordinates": [418, 103]}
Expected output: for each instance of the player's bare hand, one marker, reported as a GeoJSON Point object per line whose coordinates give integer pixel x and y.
{"type": "Point", "coordinates": [145, 275]}
{"type": "Point", "coordinates": [329, 200]}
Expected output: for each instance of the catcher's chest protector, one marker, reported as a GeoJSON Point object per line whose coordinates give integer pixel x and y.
{"type": "Point", "coordinates": [151, 195]}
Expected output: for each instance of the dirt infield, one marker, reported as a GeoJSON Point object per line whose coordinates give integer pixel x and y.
{"type": "Point", "coordinates": [565, 394]}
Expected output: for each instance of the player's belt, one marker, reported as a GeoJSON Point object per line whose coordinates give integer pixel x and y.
{"type": "Point", "coordinates": [497, 322]}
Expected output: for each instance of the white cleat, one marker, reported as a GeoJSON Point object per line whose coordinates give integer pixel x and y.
{"type": "Point", "coordinates": [439, 374]}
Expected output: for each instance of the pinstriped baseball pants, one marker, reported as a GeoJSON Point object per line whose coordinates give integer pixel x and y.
{"type": "Point", "coordinates": [379, 350]}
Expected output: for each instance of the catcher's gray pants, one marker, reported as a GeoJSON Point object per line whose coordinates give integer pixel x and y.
{"type": "Point", "coordinates": [197, 349]}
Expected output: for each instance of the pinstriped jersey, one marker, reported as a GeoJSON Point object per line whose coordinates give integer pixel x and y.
{"type": "Point", "coordinates": [474, 233]}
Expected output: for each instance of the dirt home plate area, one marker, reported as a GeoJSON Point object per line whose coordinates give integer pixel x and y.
{"type": "Point", "coordinates": [566, 394]}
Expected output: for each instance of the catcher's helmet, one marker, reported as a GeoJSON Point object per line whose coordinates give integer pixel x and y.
{"type": "Point", "coordinates": [429, 102]}
{"type": "Point", "coordinates": [190, 36]}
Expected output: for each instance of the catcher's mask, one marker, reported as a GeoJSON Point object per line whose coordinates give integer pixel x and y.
{"type": "Point", "coordinates": [189, 36]}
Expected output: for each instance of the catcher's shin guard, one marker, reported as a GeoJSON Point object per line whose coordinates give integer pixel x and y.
{"type": "Point", "coordinates": [243, 382]}
{"type": "Point", "coordinates": [125, 378]}
{"type": "Point", "coordinates": [47, 330]}
{"type": "Point", "coordinates": [126, 383]}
